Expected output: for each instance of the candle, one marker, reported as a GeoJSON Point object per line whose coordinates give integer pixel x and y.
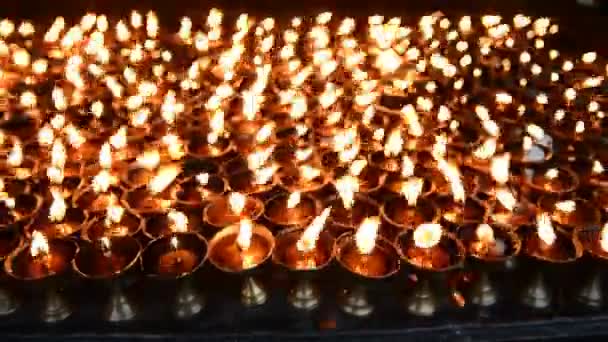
{"type": "Point", "coordinates": [294, 209]}
{"type": "Point", "coordinates": [107, 257]}
{"type": "Point", "coordinates": [174, 256]}
{"type": "Point", "coordinates": [40, 258]}
{"type": "Point", "coordinates": [365, 254]}
{"type": "Point", "coordinates": [241, 247]}
{"type": "Point", "coordinates": [429, 247]}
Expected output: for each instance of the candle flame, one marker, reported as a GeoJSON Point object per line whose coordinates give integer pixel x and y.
{"type": "Point", "coordinates": [58, 207]}
{"type": "Point", "coordinates": [357, 167]}
{"type": "Point", "coordinates": [365, 237]}
{"type": "Point", "coordinates": [39, 244]}
{"type": "Point", "coordinates": [105, 156]}
{"type": "Point", "coordinates": [257, 159]}
{"type": "Point", "coordinates": [303, 154]}
{"type": "Point", "coordinates": [114, 211]}
{"type": "Point", "coordinates": [567, 206]}
{"type": "Point", "coordinates": [58, 154]}
{"type": "Point", "coordinates": [293, 200]}
{"type": "Point", "coordinates": [427, 235]}
{"type": "Point", "coordinates": [499, 168]}
{"type": "Point", "coordinates": [485, 233]}
{"type": "Point", "coordinates": [308, 240]}
{"type": "Point", "coordinates": [148, 160]}
{"type": "Point", "coordinates": [308, 172]}
{"type": "Point", "coordinates": [243, 238]}
{"type": "Point", "coordinates": [486, 150]}
{"type": "Point", "coordinates": [552, 173]}
{"type": "Point", "coordinates": [411, 190]}
{"type": "Point", "coordinates": [102, 181]}
{"type": "Point", "coordinates": [119, 139]}
{"type": "Point", "coordinates": [174, 145]}
{"type": "Point", "coordinates": [15, 157]}
{"type": "Point", "coordinates": [237, 202]}
{"type": "Point", "coordinates": [506, 198]}
{"type": "Point", "coordinates": [545, 228]}
{"type": "Point", "coordinates": [452, 175]}
{"type": "Point", "coordinates": [174, 242]}
{"type": "Point", "coordinates": [393, 144]}
{"type": "Point", "coordinates": [105, 244]}
{"type": "Point", "coordinates": [164, 177]}
{"type": "Point", "coordinates": [178, 221]}
{"type": "Point", "coordinates": [264, 175]}
{"type": "Point", "coordinates": [604, 238]}
{"type": "Point", "coordinates": [347, 186]}
{"type": "Point", "coordinates": [597, 167]}
{"type": "Point", "coordinates": [202, 178]}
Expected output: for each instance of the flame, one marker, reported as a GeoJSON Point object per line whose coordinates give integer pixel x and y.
{"type": "Point", "coordinates": [164, 177]}
{"type": "Point", "coordinates": [58, 207]}
{"type": "Point", "coordinates": [39, 244]}
{"type": "Point", "coordinates": [174, 145]}
{"type": "Point", "coordinates": [105, 244]}
{"type": "Point", "coordinates": [243, 239]}
{"type": "Point", "coordinates": [114, 212]}
{"type": "Point", "coordinates": [347, 186]}
{"type": "Point", "coordinates": [452, 175]}
{"type": "Point", "coordinates": [119, 139]}
{"type": "Point", "coordinates": [46, 135]}
{"type": "Point", "coordinates": [411, 189]}
{"type": "Point", "coordinates": [506, 198]}
{"type": "Point", "coordinates": [257, 159]}
{"type": "Point", "coordinates": [393, 144]}
{"type": "Point", "coordinates": [407, 166]}
{"type": "Point", "coordinates": [351, 153]}
{"type": "Point", "coordinates": [105, 156]}
{"type": "Point", "coordinates": [357, 167]}
{"type": "Point", "coordinates": [365, 237]}
{"type": "Point", "coordinates": [545, 228]}
{"type": "Point", "coordinates": [499, 168]}
{"type": "Point", "coordinates": [174, 242]}
{"type": "Point", "coordinates": [485, 234]}
{"type": "Point", "coordinates": [411, 117]}
{"type": "Point", "coordinates": [303, 154]}
{"type": "Point", "coordinates": [58, 154]}
{"type": "Point", "coordinates": [604, 238]}
{"type": "Point", "coordinates": [486, 150]}
{"type": "Point", "coordinates": [15, 157]}
{"type": "Point", "coordinates": [178, 221]}
{"type": "Point", "coordinates": [148, 160]}
{"type": "Point", "coordinates": [265, 132]}
{"type": "Point", "coordinates": [293, 200]}
{"type": "Point", "coordinates": [237, 202]}
{"type": "Point", "coordinates": [308, 172]}
{"type": "Point", "coordinates": [263, 175]}
{"type": "Point", "coordinates": [308, 240]}
{"type": "Point", "coordinates": [427, 235]}
{"type": "Point", "coordinates": [597, 167]}
{"type": "Point", "coordinates": [102, 181]}
{"type": "Point", "coordinates": [202, 178]}
{"type": "Point", "coordinates": [552, 173]}
{"type": "Point", "coordinates": [567, 206]}
{"type": "Point", "coordinates": [75, 139]}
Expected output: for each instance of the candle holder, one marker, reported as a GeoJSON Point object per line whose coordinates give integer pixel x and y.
{"type": "Point", "coordinates": [10, 240]}
{"type": "Point", "coordinates": [194, 194]}
{"type": "Point", "coordinates": [304, 267]}
{"type": "Point", "coordinates": [129, 225]}
{"type": "Point", "coordinates": [226, 255]}
{"type": "Point", "coordinates": [521, 214]}
{"type": "Point", "coordinates": [571, 214]}
{"type": "Point", "coordinates": [401, 215]}
{"type": "Point", "coordinates": [26, 207]}
{"type": "Point", "coordinates": [560, 180]}
{"type": "Point", "coordinates": [41, 272]}
{"type": "Point", "coordinates": [548, 264]}
{"type": "Point", "coordinates": [172, 259]}
{"type": "Point", "coordinates": [454, 213]}
{"type": "Point", "coordinates": [277, 210]}
{"type": "Point", "coordinates": [345, 219]}
{"type": "Point", "coordinates": [70, 224]}
{"type": "Point", "coordinates": [366, 271]}
{"type": "Point", "coordinates": [159, 224]}
{"type": "Point", "coordinates": [432, 265]}
{"type": "Point", "coordinates": [218, 213]}
{"type": "Point", "coordinates": [143, 201]}
{"type": "Point", "coordinates": [591, 292]}
{"type": "Point", "coordinates": [244, 132]}
{"type": "Point", "coordinates": [292, 179]}
{"type": "Point", "coordinates": [493, 250]}
{"type": "Point", "coordinates": [72, 180]}
{"type": "Point", "coordinates": [96, 203]}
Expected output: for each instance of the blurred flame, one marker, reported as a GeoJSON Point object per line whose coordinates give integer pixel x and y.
{"type": "Point", "coordinates": [567, 206]}
{"type": "Point", "coordinates": [257, 159]}
{"type": "Point", "coordinates": [545, 228]}
{"type": "Point", "coordinates": [552, 173]}
{"type": "Point", "coordinates": [407, 166]}
{"type": "Point", "coordinates": [119, 139]}
{"type": "Point", "coordinates": [365, 237]}
{"type": "Point", "coordinates": [506, 198]}
{"type": "Point", "coordinates": [347, 186]}
{"type": "Point", "coordinates": [243, 238]}
{"type": "Point", "coordinates": [202, 178]}
{"type": "Point", "coordinates": [357, 167]}
{"type": "Point", "coordinates": [264, 175]}
{"type": "Point", "coordinates": [604, 238]}
{"type": "Point", "coordinates": [148, 160]}
{"type": "Point", "coordinates": [597, 167]}
{"type": "Point", "coordinates": [485, 233]}
{"type": "Point", "coordinates": [452, 175]}
{"type": "Point", "coordinates": [102, 181]}
{"type": "Point", "coordinates": [308, 240]}
{"type": "Point", "coordinates": [39, 244]}
{"type": "Point", "coordinates": [499, 168]}
{"type": "Point", "coordinates": [58, 207]}
{"type": "Point", "coordinates": [308, 172]}
{"type": "Point", "coordinates": [411, 189]}
{"type": "Point", "coordinates": [178, 221]}
{"type": "Point", "coordinates": [58, 154]}
{"type": "Point", "coordinates": [427, 235]}
{"type": "Point", "coordinates": [293, 200]}
{"type": "Point", "coordinates": [15, 157]}
{"type": "Point", "coordinates": [105, 156]}
{"type": "Point", "coordinates": [114, 211]}
{"type": "Point", "coordinates": [486, 150]}
{"type": "Point", "coordinates": [393, 144]}
{"type": "Point", "coordinates": [237, 202]}
{"type": "Point", "coordinates": [164, 177]}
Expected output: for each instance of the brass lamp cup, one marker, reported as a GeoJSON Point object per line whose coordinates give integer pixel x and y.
{"type": "Point", "coordinates": [90, 262]}
{"type": "Point", "coordinates": [131, 223]}
{"type": "Point", "coordinates": [230, 233]}
{"type": "Point", "coordinates": [286, 254]}
{"type": "Point", "coordinates": [424, 210]}
{"type": "Point", "coordinates": [348, 219]}
{"type": "Point", "coordinates": [141, 201]}
{"type": "Point", "coordinates": [454, 248]}
{"type": "Point", "coordinates": [569, 183]}
{"type": "Point", "coordinates": [15, 267]}
{"type": "Point", "coordinates": [567, 247]}
{"type": "Point", "coordinates": [217, 213]}
{"type": "Point", "coordinates": [158, 225]}
{"type": "Point", "coordinates": [95, 203]}
{"type": "Point", "coordinates": [289, 178]}
{"type": "Point", "coordinates": [27, 206]}
{"type": "Point", "coordinates": [472, 210]}
{"type": "Point", "coordinates": [586, 216]}
{"type": "Point", "coordinates": [194, 195]}
{"type": "Point", "coordinates": [276, 211]}
{"type": "Point", "coordinates": [345, 244]}
{"type": "Point", "coordinates": [192, 241]}
{"type": "Point", "coordinates": [10, 240]}
{"type": "Point", "coordinates": [513, 243]}
{"type": "Point", "coordinates": [73, 222]}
